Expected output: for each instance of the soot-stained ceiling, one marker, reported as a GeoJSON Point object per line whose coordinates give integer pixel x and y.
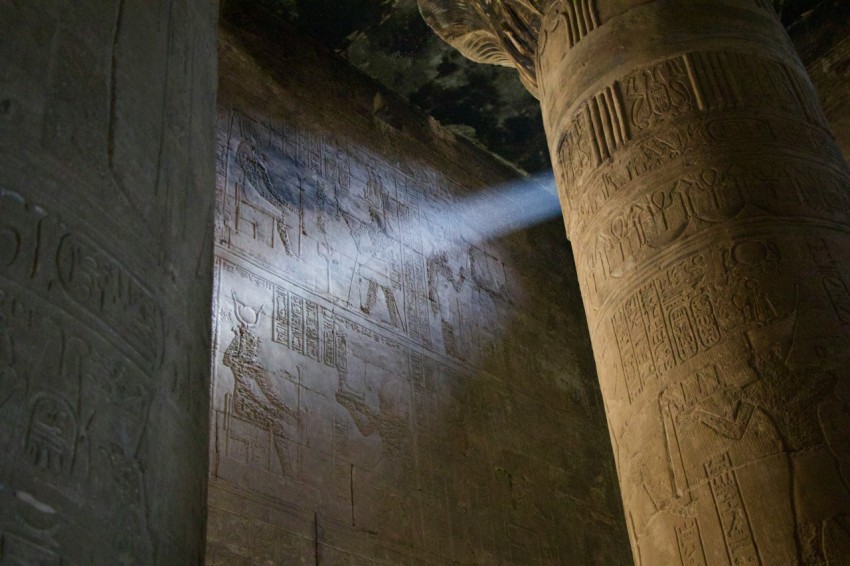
{"type": "Point", "coordinates": [389, 41]}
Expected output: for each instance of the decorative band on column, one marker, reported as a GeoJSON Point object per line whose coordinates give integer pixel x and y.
{"type": "Point", "coordinates": [578, 18]}
{"type": "Point", "coordinates": [650, 155]}
{"type": "Point", "coordinates": [670, 89]}
{"type": "Point", "coordinates": [598, 129]}
{"type": "Point", "coordinates": [572, 21]}
{"type": "Point", "coordinates": [700, 197]}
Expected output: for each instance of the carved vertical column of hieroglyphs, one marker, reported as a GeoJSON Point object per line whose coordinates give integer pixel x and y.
{"type": "Point", "coordinates": [107, 112]}
{"type": "Point", "coordinates": [709, 209]}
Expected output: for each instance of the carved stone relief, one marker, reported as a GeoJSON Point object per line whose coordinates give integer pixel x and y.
{"type": "Point", "coordinates": [105, 280]}
{"type": "Point", "coordinates": [707, 203]}
{"type": "Point", "coordinates": [376, 366]}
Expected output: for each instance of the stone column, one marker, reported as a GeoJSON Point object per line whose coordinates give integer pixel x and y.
{"type": "Point", "coordinates": [107, 114]}
{"type": "Point", "coordinates": [709, 210]}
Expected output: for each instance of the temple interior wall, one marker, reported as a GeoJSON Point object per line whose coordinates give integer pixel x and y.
{"type": "Point", "coordinates": [390, 386]}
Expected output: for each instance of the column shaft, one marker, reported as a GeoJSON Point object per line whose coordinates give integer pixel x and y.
{"type": "Point", "coordinates": [709, 210]}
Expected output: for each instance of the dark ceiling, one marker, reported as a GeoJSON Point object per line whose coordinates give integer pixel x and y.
{"type": "Point", "coordinates": [388, 40]}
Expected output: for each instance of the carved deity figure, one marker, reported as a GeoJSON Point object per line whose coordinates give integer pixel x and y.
{"type": "Point", "coordinates": [390, 420]}
{"type": "Point", "coordinates": [254, 396]}
{"type": "Point", "coordinates": [449, 274]}
{"type": "Point", "coordinates": [256, 180]}
{"type": "Point", "coordinates": [376, 250]}
{"type": "Point", "coordinates": [393, 512]}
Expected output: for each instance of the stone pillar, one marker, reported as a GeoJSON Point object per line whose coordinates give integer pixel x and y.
{"type": "Point", "coordinates": [107, 114]}
{"type": "Point", "coordinates": [709, 210]}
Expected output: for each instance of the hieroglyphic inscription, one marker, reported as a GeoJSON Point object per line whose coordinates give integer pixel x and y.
{"type": "Point", "coordinates": [659, 327]}
{"type": "Point", "coordinates": [706, 197]}
{"type": "Point", "coordinates": [671, 89]}
{"type": "Point", "coordinates": [89, 276]}
{"type": "Point", "coordinates": [416, 297]}
{"type": "Point", "coordinates": [75, 418]}
{"type": "Point", "coordinates": [729, 80]}
{"type": "Point", "coordinates": [306, 147]}
{"type": "Point", "coordinates": [575, 151]}
{"type": "Point", "coordinates": [280, 330]}
{"type": "Point", "coordinates": [734, 521]}
{"type": "Point", "coordinates": [833, 282]}
{"type": "Point", "coordinates": [306, 328]}
{"type": "Point", "coordinates": [690, 543]}
{"type": "Point", "coordinates": [606, 121]}
{"type": "Point", "coordinates": [666, 147]}
{"type": "Point", "coordinates": [329, 338]}
{"type": "Point", "coordinates": [247, 274]}
{"type": "Point", "coordinates": [597, 131]}
{"type": "Point", "coordinates": [296, 323]}
{"type": "Point", "coordinates": [20, 223]}
{"type": "Point", "coordinates": [657, 93]}
{"type": "Point", "coordinates": [366, 234]}
{"type": "Point", "coordinates": [321, 154]}
{"type": "Point", "coordinates": [311, 330]}
{"type": "Point", "coordinates": [104, 287]}
{"type": "Point", "coordinates": [52, 435]}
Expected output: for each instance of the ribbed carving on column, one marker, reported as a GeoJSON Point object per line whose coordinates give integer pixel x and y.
{"type": "Point", "coordinates": [581, 19]}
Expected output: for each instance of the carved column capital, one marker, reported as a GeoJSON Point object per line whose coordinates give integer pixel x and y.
{"type": "Point", "coordinates": [509, 32]}
{"type": "Point", "coordinates": [497, 32]}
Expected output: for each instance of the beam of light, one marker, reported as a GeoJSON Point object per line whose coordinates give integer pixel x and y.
{"type": "Point", "coordinates": [496, 211]}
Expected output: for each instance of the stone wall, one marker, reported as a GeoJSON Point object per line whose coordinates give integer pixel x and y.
{"type": "Point", "coordinates": [107, 116]}
{"type": "Point", "coordinates": [389, 386]}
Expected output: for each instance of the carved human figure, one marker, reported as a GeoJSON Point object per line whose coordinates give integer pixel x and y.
{"type": "Point", "coordinates": [707, 204]}
{"type": "Point", "coordinates": [390, 420]}
{"type": "Point", "coordinates": [394, 511]}
{"type": "Point", "coordinates": [448, 272]}
{"type": "Point", "coordinates": [254, 396]}
{"type": "Point", "coordinates": [376, 250]}
{"type": "Point", "coordinates": [261, 191]}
